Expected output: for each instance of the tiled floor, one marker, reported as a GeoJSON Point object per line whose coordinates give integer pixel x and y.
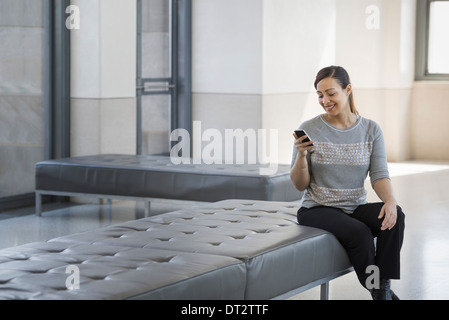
{"type": "Point", "coordinates": [421, 189]}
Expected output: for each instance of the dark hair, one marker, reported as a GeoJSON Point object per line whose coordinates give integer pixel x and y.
{"type": "Point", "coordinates": [342, 76]}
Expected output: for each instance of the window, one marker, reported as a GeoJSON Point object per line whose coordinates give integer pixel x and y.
{"type": "Point", "coordinates": [438, 48]}
{"type": "Point", "coordinates": [21, 99]}
{"type": "Point", "coordinates": [34, 93]}
{"type": "Point", "coordinates": [432, 47]}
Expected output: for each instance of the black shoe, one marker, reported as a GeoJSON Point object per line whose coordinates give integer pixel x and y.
{"type": "Point", "coordinates": [384, 292]}
{"type": "Point", "coordinates": [381, 294]}
{"type": "Point", "coordinates": [394, 296]}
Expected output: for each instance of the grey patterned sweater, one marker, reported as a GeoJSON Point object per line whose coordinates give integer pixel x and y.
{"type": "Point", "coordinates": [340, 162]}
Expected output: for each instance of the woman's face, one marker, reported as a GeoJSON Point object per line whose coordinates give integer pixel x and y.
{"type": "Point", "coordinates": [332, 97]}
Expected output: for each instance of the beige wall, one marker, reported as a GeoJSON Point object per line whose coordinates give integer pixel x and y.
{"type": "Point", "coordinates": [254, 63]}
{"type": "Point", "coordinates": [272, 50]}
{"type": "Point", "coordinates": [429, 129]}
{"type": "Point", "coordinates": [103, 53]}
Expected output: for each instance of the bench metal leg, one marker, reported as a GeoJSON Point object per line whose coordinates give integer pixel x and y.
{"type": "Point", "coordinates": [324, 292]}
{"type": "Point", "coordinates": [109, 209]}
{"type": "Point", "coordinates": [147, 208]}
{"type": "Point", "coordinates": [38, 204]}
{"type": "Point", "coordinates": [108, 198]}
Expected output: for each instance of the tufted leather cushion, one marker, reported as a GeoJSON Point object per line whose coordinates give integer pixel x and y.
{"type": "Point", "coordinates": [279, 254]}
{"type": "Point", "coordinates": [157, 177]}
{"type": "Point", "coordinates": [38, 271]}
{"type": "Point", "coordinates": [234, 249]}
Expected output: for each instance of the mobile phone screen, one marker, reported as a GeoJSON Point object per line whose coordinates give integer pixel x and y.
{"type": "Point", "coordinates": [300, 133]}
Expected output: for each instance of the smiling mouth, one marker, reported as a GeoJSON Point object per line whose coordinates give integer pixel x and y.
{"type": "Point", "coordinates": [329, 108]}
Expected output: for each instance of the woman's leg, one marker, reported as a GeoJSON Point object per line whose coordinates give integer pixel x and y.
{"type": "Point", "coordinates": [354, 235]}
{"type": "Point", "coordinates": [389, 242]}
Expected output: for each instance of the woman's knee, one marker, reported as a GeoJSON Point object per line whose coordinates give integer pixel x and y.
{"type": "Point", "coordinates": [359, 235]}
{"type": "Point", "coordinates": [400, 219]}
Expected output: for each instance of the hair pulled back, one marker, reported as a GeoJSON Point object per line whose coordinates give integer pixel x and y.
{"type": "Point", "coordinates": [341, 76]}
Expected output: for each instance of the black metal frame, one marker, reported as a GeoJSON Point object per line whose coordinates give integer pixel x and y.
{"type": "Point", "coordinates": [56, 79]}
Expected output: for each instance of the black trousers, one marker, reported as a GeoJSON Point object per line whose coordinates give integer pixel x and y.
{"type": "Point", "coordinates": [356, 232]}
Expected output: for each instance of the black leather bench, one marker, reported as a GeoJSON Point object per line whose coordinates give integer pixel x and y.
{"type": "Point", "coordinates": [234, 249]}
{"type": "Point", "coordinates": [142, 177]}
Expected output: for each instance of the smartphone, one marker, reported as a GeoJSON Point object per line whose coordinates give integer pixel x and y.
{"type": "Point", "coordinates": [300, 133]}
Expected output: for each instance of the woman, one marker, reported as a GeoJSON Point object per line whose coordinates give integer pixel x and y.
{"type": "Point", "coordinates": [332, 168]}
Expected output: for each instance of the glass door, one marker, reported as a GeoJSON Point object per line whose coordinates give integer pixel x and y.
{"type": "Point", "coordinates": [155, 83]}
{"type": "Point", "coordinates": [163, 72]}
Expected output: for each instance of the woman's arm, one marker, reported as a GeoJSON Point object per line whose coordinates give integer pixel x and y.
{"type": "Point", "coordinates": [384, 191]}
{"type": "Point", "coordinates": [299, 173]}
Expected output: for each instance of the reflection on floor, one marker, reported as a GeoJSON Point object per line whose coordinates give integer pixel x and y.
{"type": "Point", "coordinates": [421, 190]}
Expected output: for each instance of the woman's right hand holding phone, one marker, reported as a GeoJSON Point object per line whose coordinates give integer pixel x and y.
{"type": "Point", "coordinates": [299, 174]}
{"type": "Point", "coordinates": [301, 145]}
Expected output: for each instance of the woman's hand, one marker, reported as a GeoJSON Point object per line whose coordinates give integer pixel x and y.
{"type": "Point", "coordinates": [389, 211]}
{"type": "Point", "coordinates": [302, 146]}
{"type": "Point", "coordinates": [299, 174]}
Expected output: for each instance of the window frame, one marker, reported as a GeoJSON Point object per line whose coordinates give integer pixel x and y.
{"type": "Point", "coordinates": [422, 43]}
